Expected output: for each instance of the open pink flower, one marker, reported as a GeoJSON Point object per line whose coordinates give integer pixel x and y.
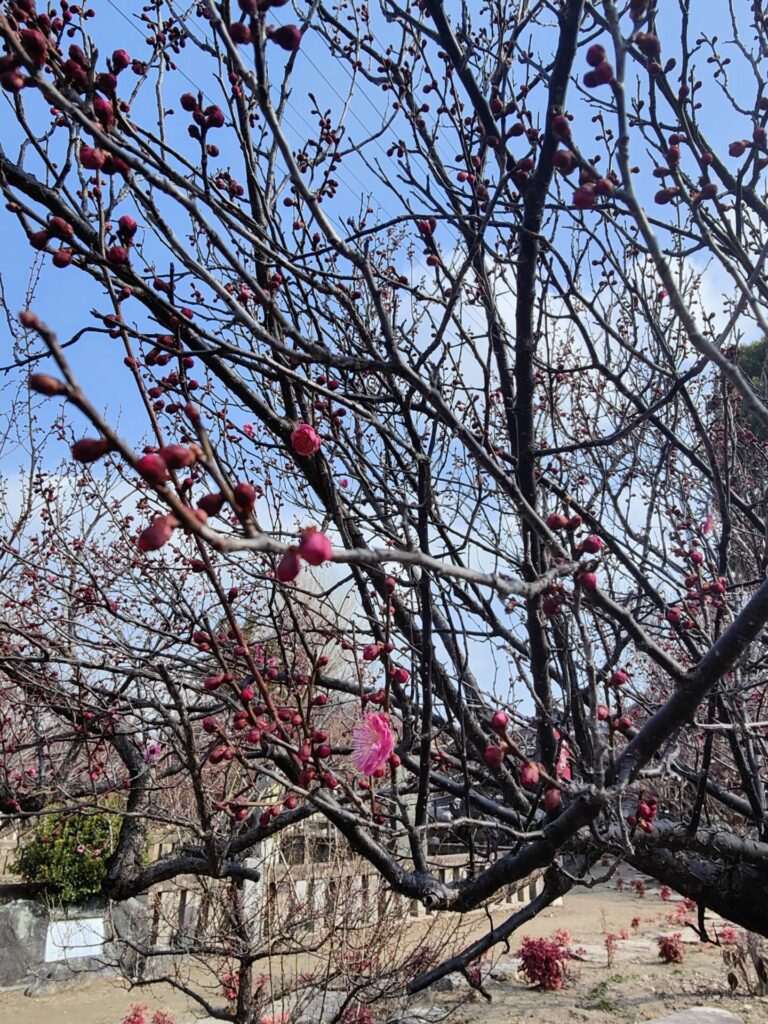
{"type": "Point", "coordinates": [374, 741]}
{"type": "Point", "coordinates": [305, 439]}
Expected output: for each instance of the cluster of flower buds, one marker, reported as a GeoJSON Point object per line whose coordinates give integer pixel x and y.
{"type": "Point", "coordinates": [552, 600]}
{"type": "Point", "coordinates": [373, 651]}
{"type": "Point", "coordinates": [644, 815]}
{"type": "Point", "coordinates": [324, 407]}
{"type": "Point", "coordinates": [586, 578]}
{"type": "Point", "coordinates": [602, 72]}
{"type": "Point", "coordinates": [205, 118]}
{"type": "Point", "coordinates": [427, 230]}
{"type": "Point", "coordinates": [556, 521]}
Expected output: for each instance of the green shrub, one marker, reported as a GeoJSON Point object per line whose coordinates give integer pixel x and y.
{"type": "Point", "coordinates": [67, 852]}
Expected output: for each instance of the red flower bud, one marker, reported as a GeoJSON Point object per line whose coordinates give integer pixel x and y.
{"type": "Point", "coordinates": [35, 44]}
{"type": "Point", "coordinates": [603, 187]}
{"type": "Point", "coordinates": [12, 81]}
{"type": "Point", "coordinates": [561, 127]}
{"type": "Point", "coordinates": [106, 83]}
{"type": "Point", "coordinates": [493, 756]}
{"type": "Point", "coordinates": [553, 801]}
{"type": "Point", "coordinates": [118, 255]}
{"type": "Point", "coordinates": [591, 545]}
{"type": "Point", "coordinates": [245, 498]}
{"type": "Point", "coordinates": [211, 504]}
{"type": "Point", "coordinates": [39, 239]}
{"type": "Point", "coordinates": [91, 158]}
{"type": "Point", "coordinates": [179, 456]}
{"type": "Point", "coordinates": [708, 191]}
{"type": "Point", "coordinates": [120, 61]}
{"type": "Point", "coordinates": [153, 469]}
{"type": "Point", "coordinates": [239, 33]}
{"type": "Point", "coordinates": [214, 117]}
{"type": "Point", "coordinates": [46, 385]}
{"type": "Point", "coordinates": [529, 776]}
{"type": "Point", "coordinates": [62, 258]}
{"type": "Point", "coordinates": [289, 566]}
{"type": "Point", "coordinates": [666, 195]}
{"type": "Point", "coordinates": [59, 228]}
{"type": "Point", "coordinates": [127, 226]}
{"type": "Point", "coordinates": [104, 112]}
{"type": "Point", "coordinates": [587, 581]}
{"type": "Point", "coordinates": [603, 73]}
{"type": "Point", "coordinates": [596, 55]}
{"type": "Point", "coordinates": [90, 449]}
{"type": "Point", "coordinates": [649, 45]}
{"type": "Point", "coordinates": [288, 37]}
{"type": "Point", "coordinates": [584, 197]}
{"type": "Point", "coordinates": [219, 754]}
{"type": "Point", "coordinates": [557, 521]}
{"type": "Point", "coordinates": [315, 547]}
{"type": "Point", "coordinates": [157, 534]}
{"type": "Point", "coordinates": [29, 320]}
{"type": "Point", "coordinates": [499, 722]}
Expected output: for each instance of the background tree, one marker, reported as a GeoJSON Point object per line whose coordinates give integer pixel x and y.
{"type": "Point", "coordinates": [451, 311]}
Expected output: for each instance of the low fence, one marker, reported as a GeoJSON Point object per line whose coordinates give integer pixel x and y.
{"type": "Point", "coordinates": [320, 894]}
{"type": "Point", "coordinates": [313, 894]}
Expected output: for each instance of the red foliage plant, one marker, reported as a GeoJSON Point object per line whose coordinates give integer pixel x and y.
{"type": "Point", "coordinates": [639, 886]}
{"type": "Point", "coordinates": [670, 948]}
{"type": "Point", "coordinates": [544, 962]}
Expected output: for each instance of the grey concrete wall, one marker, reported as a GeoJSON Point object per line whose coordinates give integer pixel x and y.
{"type": "Point", "coordinates": [23, 930]}
{"type": "Point", "coordinates": [25, 934]}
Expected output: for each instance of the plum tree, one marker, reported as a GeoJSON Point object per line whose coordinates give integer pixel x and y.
{"type": "Point", "coordinates": [451, 307]}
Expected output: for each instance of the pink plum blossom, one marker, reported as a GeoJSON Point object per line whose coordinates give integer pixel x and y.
{"type": "Point", "coordinates": [374, 741]}
{"type": "Point", "coordinates": [305, 439]}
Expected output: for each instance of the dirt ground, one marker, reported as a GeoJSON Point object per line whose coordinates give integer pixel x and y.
{"type": "Point", "coordinates": [636, 987]}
